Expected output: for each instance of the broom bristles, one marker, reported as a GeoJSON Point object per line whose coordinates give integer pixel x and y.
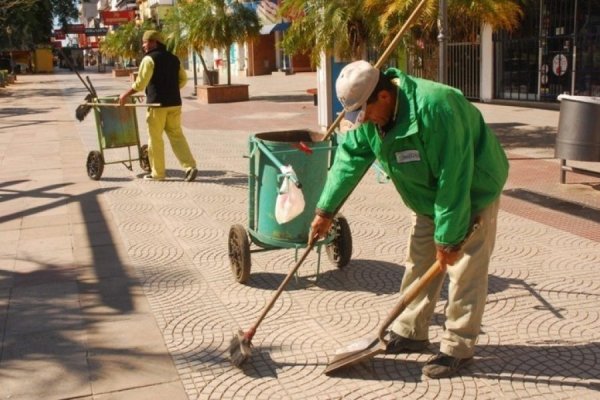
{"type": "Point", "coordinates": [83, 110]}
{"type": "Point", "coordinates": [240, 348]}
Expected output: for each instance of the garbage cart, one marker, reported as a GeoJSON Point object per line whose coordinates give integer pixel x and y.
{"type": "Point", "coordinates": [310, 159]}
{"type": "Point", "coordinates": [117, 127]}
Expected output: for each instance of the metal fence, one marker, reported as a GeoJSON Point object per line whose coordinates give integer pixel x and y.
{"type": "Point", "coordinates": [464, 64]}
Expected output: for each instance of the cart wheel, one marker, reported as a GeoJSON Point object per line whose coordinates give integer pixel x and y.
{"type": "Point", "coordinates": [95, 165]}
{"type": "Point", "coordinates": [144, 160]}
{"type": "Point", "coordinates": [339, 250]}
{"type": "Point", "coordinates": [239, 253]}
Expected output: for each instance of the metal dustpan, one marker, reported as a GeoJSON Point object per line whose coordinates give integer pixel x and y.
{"type": "Point", "coordinates": [363, 349]}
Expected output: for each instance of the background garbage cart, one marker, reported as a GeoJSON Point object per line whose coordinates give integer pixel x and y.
{"type": "Point", "coordinates": [117, 127]}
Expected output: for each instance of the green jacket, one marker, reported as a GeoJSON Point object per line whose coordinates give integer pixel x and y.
{"type": "Point", "coordinates": [443, 159]}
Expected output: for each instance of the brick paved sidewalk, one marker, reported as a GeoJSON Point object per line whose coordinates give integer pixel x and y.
{"type": "Point", "coordinates": [121, 289]}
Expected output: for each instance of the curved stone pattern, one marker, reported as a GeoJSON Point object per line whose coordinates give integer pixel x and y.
{"type": "Point", "coordinates": [155, 253]}
{"type": "Point", "coordinates": [540, 331]}
{"type": "Point", "coordinates": [166, 195]}
{"type": "Point", "coordinates": [131, 208]}
{"type": "Point", "coordinates": [138, 226]}
{"type": "Point", "coordinates": [180, 212]}
{"type": "Point", "coordinates": [124, 193]}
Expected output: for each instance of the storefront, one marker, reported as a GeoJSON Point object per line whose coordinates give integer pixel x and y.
{"type": "Point", "coordinates": [556, 51]}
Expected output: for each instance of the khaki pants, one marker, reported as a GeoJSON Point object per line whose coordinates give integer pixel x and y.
{"type": "Point", "coordinates": [168, 120]}
{"type": "Point", "coordinates": [467, 290]}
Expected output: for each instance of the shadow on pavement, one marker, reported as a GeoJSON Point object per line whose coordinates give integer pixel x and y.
{"type": "Point", "coordinates": [565, 206]}
{"type": "Point", "coordinates": [514, 135]}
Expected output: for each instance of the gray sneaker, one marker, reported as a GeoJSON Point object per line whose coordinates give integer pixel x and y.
{"type": "Point", "coordinates": [444, 366]}
{"type": "Point", "coordinates": [399, 344]}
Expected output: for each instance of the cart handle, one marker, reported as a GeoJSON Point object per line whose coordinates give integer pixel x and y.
{"type": "Point", "coordinates": [277, 163]}
{"type": "Point", "coordinates": [118, 105]}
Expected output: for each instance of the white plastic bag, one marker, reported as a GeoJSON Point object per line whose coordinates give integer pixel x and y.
{"type": "Point", "coordinates": [290, 200]}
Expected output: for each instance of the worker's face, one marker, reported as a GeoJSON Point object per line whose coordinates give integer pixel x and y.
{"type": "Point", "coordinates": [380, 112]}
{"type": "Point", "coordinates": [148, 45]}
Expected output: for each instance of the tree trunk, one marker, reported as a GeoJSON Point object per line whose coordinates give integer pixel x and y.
{"type": "Point", "coordinates": [210, 82]}
{"type": "Point", "coordinates": [228, 65]}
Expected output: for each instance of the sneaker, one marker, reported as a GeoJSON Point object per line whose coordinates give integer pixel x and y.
{"type": "Point", "coordinates": [149, 177]}
{"type": "Point", "coordinates": [191, 174]}
{"type": "Point", "coordinates": [399, 344]}
{"type": "Point", "coordinates": [444, 366]}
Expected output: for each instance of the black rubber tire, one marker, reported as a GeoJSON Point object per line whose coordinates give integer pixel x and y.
{"type": "Point", "coordinates": [144, 160]}
{"type": "Point", "coordinates": [95, 165]}
{"type": "Point", "coordinates": [239, 253]}
{"type": "Point", "coordinates": [339, 251]}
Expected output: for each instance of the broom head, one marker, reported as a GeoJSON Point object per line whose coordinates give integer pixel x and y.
{"type": "Point", "coordinates": [240, 348]}
{"type": "Point", "coordinates": [83, 110]}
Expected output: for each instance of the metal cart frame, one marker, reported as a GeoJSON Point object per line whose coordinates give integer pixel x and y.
{"type": "Point", "coordinates": [117, 127]}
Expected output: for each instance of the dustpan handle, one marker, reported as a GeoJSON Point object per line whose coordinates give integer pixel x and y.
{"type": "Point", "coordinates": [414, 289]}
{"type": "Point", "coordinates": [412, 292]}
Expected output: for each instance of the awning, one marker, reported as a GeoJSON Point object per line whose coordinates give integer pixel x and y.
{"type": "Point", "coordinates": [279, 27]}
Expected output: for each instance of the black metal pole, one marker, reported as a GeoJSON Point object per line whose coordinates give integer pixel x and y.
{"type": "Point", "coordinates": [442, 24]}
{"type": "Point", "coordinates": [195, 73]}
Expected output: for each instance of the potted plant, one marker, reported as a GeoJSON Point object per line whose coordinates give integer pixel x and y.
{"type": "Point", "coordinates": [214, 24]}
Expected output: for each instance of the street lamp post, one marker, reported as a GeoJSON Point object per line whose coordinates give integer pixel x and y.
{"type": "Point", "coordinates": [443, 41]}
{"type": "Point", "coordinates": [9, 33]}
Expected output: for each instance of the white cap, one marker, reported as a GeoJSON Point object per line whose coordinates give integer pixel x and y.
{"type": "Point", "coordinates": [354, 85]}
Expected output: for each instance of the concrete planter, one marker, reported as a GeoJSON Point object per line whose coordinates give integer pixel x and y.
{"type": "Point", "coordinates": [119, 72]}
{"type": "Point", "coordinates": [222, 93]}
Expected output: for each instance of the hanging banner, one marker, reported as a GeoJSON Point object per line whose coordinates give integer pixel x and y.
{"type": "Point", "coordinates": [117, 17]}
{"type": "Point", "coordinates": [58, 34]}
{"type": "Point", "coordinates": [75, 28]}
{"type": "Point", "coordinates": [96, 31]}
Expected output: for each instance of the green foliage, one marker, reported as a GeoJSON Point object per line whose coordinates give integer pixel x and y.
{"type": "Point", "coordinates": [345, 28]}
{"type": "Point", "coordinates": [209, 23]}
{"type": "Point", "coordinates": [125, 42]}
{"type": "Point", "coordinates": [31, 21]}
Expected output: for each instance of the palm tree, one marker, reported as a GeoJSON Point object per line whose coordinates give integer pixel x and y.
{"type": "Point", "coordinates": [211, 23]}
{"type": "Point", "coordinates": [339, 27]}
{"type": "Point", "coordinates": [345, 28]}
{"type": "Point", "coordinates": [125, 42]}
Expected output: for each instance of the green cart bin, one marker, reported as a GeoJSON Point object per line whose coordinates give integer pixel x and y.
{"type": "Point", "coordinates": [117, 127]}
{"type": "Point", "coordinates": [310, 158]}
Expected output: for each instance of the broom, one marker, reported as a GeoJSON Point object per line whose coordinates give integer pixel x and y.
{"type": "Point", "coordinates": [82, 110]}
{"type": "Point", "coordinates": [240, 348]}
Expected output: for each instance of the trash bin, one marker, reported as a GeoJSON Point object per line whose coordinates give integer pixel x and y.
{"type": "Point", "coordinates": [578, 136]}
{"type": "Point", "coordinates": [310, 161]}
{"type": "Point", "coordinates": [214, 77]}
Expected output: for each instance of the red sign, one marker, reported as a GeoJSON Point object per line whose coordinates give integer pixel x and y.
{"type": "Point", "coordinates": [83, 42]}
{"type": "Point", "coordinates": [58, 34]}
{"type": "Point", "coordinates": [117, 17]}
{"type": "Point", "coordinates": [75, 28]}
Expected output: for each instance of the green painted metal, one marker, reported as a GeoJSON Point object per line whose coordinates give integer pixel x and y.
{"type": "Point", "coordinates": [269, 151]}
{"type": "Point", "coordinates": [117, 126]}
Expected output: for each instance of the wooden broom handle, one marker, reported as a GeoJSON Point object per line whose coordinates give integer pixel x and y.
{"type": "Point", "coordinates": [382, 59]}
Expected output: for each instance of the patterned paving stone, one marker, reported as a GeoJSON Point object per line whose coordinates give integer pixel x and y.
{"type": "Point", "coordinates": [540, 335]}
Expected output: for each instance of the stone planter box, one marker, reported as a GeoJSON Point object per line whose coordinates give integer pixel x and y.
{"type": "Point", "coordinates": [222, 93]}
{"type": "Point", "coordinates": [119, 72]}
